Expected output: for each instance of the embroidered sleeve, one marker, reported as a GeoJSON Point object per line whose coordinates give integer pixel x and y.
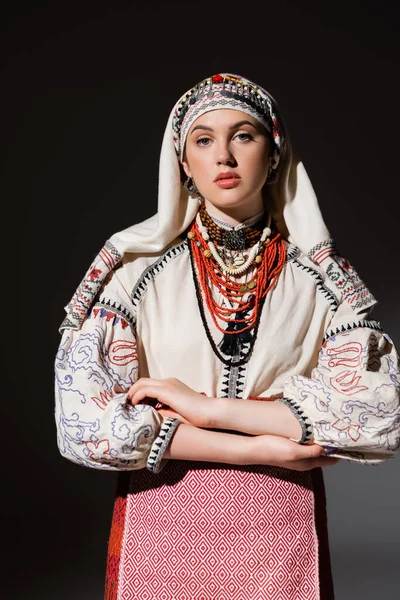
{"type": "Point", "coordinates": [352, 398]}
{"type": "Point", "coordinates": [343, 276]}
{"type": "Point", "coordinates": [95, 425]}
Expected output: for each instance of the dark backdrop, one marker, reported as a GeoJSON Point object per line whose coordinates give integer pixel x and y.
{"type": "Point", "coordinates": [86, 92]}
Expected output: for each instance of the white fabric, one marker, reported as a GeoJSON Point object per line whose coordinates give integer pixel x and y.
{"type": "Point", "coordinates": [291, 200]}
{"type": "Point", "coordinates": [175, 209]}
{"type": "Point", "coordinates": [295, 209]}
{"type": "Point", "coordinates": [156, 331]}
{"type": "Point", "coordinates": [146, 323]}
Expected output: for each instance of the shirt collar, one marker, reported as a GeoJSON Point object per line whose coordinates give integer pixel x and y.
{"type": "Point", "coordinates": [247, 223]}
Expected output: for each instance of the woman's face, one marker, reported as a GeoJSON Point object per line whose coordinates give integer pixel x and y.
{"type": "Point", "coordinates": [227, 153]}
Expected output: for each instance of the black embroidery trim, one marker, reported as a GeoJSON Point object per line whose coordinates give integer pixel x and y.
{"type": "Point", "coordinates": [155, 268]}
{"type": "Point", "coordinates": [292, 252]}
{"type": "Point", "coordinates": [319, 282]}
{"type": "Point", "coordinates": [160, 444]}
{"type": "Point", "coordinates": [112, 305]}
{"type": "Point", "coordinates": [233, 378]}
{"type": "Point", "coordinates": [305, 423]}
{"type": "Point", "coordinates": [353, 325]}
{"type": "Point", "coordinates": [151, 272]}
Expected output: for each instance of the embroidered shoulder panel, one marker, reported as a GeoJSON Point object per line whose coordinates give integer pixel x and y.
{"type": "Point", "coordinates": [83, 298]}
{"type": "Point", "coordinates": [343, 275]}
{"type": "Point", "coordinates": [347, 280]}
{"type": "Point", "coordinates": [151, 272]}
{"type": "Point", "coordinates": [322, 250]}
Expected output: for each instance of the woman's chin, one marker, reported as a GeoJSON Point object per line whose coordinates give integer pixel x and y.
{"type": "Point", "coordinates": [229, 200]}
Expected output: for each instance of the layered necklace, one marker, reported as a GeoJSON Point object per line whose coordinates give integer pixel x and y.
{"type": "Point", "coordinates": [221, 258]}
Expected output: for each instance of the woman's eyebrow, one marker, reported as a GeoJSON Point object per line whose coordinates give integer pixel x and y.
{"type": "Point", "coordinates": [234, 126]}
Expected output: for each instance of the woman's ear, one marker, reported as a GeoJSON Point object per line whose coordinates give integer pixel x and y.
{"type": "Point", "coordinates": [185, 164]}
{"type": "Point", "coordinates": [185, 167]}
{"type": "Point", "coordinates": [182, 173]}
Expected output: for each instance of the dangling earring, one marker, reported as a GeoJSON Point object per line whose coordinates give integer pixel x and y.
{"type": "Point", "coordinates": [272, 176]}
{"type": "Point", "coordinates": [191, 189]}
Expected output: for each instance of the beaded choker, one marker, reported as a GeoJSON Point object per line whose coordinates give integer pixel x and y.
{"type": "Point", "coordinates": [235, 239]}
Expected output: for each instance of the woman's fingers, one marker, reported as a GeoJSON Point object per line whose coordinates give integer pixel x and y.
{"type": "Point", "coordinates": [321, 460]}
{"type": "Point", "coordinates": [309, 451]}
{"type": "Point", "coordinates": [311, 456]}
{"type": "Point", "coordinates": [166, 412]}
{"type": "Point", "coordinates": [134, 397]}
{"type": "Point", "coordinates": [140, 393]}
{"type": "Point", "coordinates": [144, 388]}
{"type": "Point", "coordinates": [282, 452]}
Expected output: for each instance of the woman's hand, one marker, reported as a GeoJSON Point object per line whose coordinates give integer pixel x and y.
{"type": "Point", "coordinates": [195, 408]}
{"type": "Point", "coordinates": [281, 452]}
{"type": "Point", "coordinates": [167, 412]}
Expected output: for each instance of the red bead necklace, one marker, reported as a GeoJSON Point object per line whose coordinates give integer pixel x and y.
{"type": "Point", "coordinates": [210, 274]}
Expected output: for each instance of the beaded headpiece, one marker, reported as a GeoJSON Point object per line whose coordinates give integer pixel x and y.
{"type": "Point", "coordinates": [227, 91]}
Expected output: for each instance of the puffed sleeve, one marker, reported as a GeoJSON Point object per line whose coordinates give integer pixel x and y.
{"type": "Point", "coordinates": [351, 401]}
{"type": "Point", "coordinates": [96, 427]}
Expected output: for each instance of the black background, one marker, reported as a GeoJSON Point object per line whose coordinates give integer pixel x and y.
{"type": "Point", "coordinates": [86, 92]}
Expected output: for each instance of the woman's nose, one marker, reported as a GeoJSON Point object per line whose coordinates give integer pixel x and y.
{"type": "Point", "coordinates": [225, 156]}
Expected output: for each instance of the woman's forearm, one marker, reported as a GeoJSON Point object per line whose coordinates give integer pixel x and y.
{"type": "Point", "coordinates": [196, 444]}
{"type": "Point", "coordinates": [256, 417]}
{"type": "Point", "coordinates": [193, 443]}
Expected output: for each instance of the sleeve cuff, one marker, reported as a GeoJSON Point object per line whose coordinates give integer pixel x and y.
{"type": "Point", "coordinates": [160, 444]}
{"type": "Point", "coordinates": [305, 423]}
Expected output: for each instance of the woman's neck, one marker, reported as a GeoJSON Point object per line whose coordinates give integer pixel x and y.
{"type": "Point", "coordinates": [235, 216]}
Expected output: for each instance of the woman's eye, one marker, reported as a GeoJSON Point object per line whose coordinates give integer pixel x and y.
{"type": "Point", "coordinates": [202, 141]}
{"type": "Point", "coordinates": [243, 137]}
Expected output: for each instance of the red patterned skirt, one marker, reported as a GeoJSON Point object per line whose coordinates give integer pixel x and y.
{"type": "Point", "coordinates": [204, 531]}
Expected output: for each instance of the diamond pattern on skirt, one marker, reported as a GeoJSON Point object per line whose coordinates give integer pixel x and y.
{"type": "Point", "coordinates": [203, 531]}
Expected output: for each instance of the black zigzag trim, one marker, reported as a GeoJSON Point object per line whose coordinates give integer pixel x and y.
{"type": "Point", "coordinates": [151, 272]}
{"type": "Point", "coordinates": [353, 325]}
{"type": "Point", "coordinates": [305, 423]}
{"type": "Point", "coordinates": [160, 444]}
{"type": "Point", "coordinates": [319, 282]}
{"type": "Point", "coordinates": [118, 308]}
{"type": "Point", "coordinates": [292, 252]}
{"type": "Point", "coordinates": [233, 378]}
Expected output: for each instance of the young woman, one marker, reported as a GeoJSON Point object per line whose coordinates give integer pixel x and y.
{"type": "Point", "coordinates": [215, 354]}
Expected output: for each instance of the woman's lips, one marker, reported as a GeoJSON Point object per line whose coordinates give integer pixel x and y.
{"type": "Point", "coordinates": [226, 183]}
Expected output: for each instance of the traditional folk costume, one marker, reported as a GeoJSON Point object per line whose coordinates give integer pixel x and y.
{"type": "Point", "coordinates": [266, 310]}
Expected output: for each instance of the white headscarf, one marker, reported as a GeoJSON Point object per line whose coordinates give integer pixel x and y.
{"type": "Point", "coordinates": [294, 208]}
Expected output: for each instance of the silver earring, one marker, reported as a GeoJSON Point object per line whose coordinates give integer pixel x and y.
{"type": "Point", "coordinates": [272, 177]}
{"type": "Point", "coordinates": [191, 188]}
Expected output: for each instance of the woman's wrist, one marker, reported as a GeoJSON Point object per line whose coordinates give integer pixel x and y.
{"type": "Point", "coordinates": [258, 417]}
{"type": "Point", "coordinates": [220, 414]}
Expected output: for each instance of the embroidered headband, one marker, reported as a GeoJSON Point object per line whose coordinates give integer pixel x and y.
{"type": "Point", "coordinates": [227, 91]}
